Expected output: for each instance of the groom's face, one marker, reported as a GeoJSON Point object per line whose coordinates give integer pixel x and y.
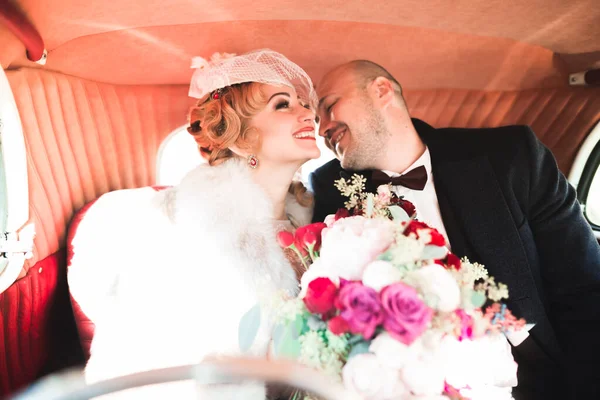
{"type": "Point", "coordinates": [352, 126]}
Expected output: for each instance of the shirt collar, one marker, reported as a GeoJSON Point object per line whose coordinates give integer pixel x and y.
{"type": "Point", "coordinates": [424, 160]}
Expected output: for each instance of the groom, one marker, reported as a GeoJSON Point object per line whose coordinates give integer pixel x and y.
{"type": "Point", "coordinates": [498, 196]}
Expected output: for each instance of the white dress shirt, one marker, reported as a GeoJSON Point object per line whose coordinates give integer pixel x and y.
{"type": "Point", "coordinates": [425, 201]}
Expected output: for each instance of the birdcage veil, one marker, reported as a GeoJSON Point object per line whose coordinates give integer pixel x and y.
{"type": "Point", "coordinates": [263, 66]}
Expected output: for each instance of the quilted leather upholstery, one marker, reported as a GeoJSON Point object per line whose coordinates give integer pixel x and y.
{"type": "Point", "coordinates": [561, 118]}
{"type": "Point", "coordinates": [83, 139]}
{"type": "Point", "coordinates": [25, 331]}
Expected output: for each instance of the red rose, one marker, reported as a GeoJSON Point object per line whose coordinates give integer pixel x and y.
{"type": "Point", "coordinates": [341, 213]}
{"type": "Point", "coordinates": [320, 295]}
{"type": "Point", "coordinates": [310, 239]}
{"type": "Point", "coordinates": [338, 325]}
{"type": "Point", "coordinates": [404, 204]}
{"type": "Point", "coordinates": [414, 226]}
{"type": "Point", "coordinates": [452, 261]}
{"type": "Point", "coordinates": [315, 230]}
{"type": "Point", "coordinates": [285, 239]}
{"type": "Point", "coordinates": [408, 207]}
{"type": "Point", "coordinates": [437, 239]}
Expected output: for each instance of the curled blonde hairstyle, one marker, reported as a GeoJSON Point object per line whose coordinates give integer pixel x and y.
{"type": "Point", "coordinates": [218, 124]}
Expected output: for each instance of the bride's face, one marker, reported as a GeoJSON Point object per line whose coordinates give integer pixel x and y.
{"type": "Point", "coordinates": [286, 128]}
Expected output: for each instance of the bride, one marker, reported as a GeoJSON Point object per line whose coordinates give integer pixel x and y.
{"type": "Point", "coordinates": [184, 265]}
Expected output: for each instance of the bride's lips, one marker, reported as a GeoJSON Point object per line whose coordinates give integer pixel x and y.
{"type": "Point", "coordinates": [305, 133]}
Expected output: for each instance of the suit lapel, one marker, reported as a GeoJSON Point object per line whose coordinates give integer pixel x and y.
{"type": "Point", "coordinates": [454, 229]}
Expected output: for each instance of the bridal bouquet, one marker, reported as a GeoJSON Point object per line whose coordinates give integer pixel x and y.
{"type": "Point", "coordinates": [386, 308]}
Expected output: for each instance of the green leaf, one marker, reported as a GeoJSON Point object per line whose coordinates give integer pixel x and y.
{"type": "Point", "coordinates": [248, 328]}
{"type": "Point", "coordinates": [387, 256]}
{"type": "Point", "coordinates": [398, 214]}
{"type": "Point", "coordinates": [359, 348]}
{"type": "Point", "coordinates": [286, 341]}
{"type": "Point", "coordinates": [434, 252]}
{"type": "Point", "coordinates": [478, 299]}
{"type": "Point", "coordinates": [370, 206]}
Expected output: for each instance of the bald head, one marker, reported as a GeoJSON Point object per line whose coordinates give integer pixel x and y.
{"type": "Point", "coordinates": [362, 73]}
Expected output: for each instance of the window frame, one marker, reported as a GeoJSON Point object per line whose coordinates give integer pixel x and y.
{"type": "Point", "coordinates": [16, 234]}
{"type": "Point", "coordinates": [585, 168]}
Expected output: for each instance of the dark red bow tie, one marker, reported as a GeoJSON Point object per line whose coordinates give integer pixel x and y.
{"type": "Point", "coordinates": [414, 179]}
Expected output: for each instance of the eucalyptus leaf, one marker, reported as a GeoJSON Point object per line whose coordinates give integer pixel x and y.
{"type": "Point", "coordinates": [398, 214]}
{"type": "Point", "coordinates": [359, 348]}
{"type": "Point", "coordinates": [370, 206]}
{"type": "Point", "coordinates": [434, 252]}
{"type": "Point", "coordinates": [387, 256]}
{"type": "Point", "coordinates": [248, 328]}
{"type": "Point", "coordinates": [286, 341]}
{"type": "Point", "coordinates": [478, 299]}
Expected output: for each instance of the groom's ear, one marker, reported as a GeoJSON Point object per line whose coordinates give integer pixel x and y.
{"type": "Point", "coordinates": [382, 91]}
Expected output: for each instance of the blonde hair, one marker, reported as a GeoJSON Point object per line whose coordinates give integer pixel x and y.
{"type": "Point", "coordinates": [217, 124]}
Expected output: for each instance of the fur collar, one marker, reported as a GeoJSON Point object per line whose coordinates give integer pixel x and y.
{"type": "Point", "coordinates": [222, 210]}
{"type": "Point", "coordinates": [229, 186]}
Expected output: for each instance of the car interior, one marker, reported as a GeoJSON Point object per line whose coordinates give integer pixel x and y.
{"type": "Point", "coordinates": [94, 99]}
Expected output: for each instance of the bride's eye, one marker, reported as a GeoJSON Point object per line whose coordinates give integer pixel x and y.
{"type": "Point", "coordinates": [282, 104]}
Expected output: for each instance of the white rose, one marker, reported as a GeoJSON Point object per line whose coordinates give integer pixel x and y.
{"type": "Point", "coordinates": [353, 242]}
{"type": "Point", "coordinates": [487, 392]}
{"type": "Point", "coordinates": [424, 378]}
{"type": "Point", "coordinates": [425, 397]}
{"type": "Point", "coordinates": [465, 366]}
{"type": "Point", "coordinates": [380, 274]}
{"type": "Point", "coordinates": [365, 375]}
{"type": "Point", "coordinates": [317, 270]}
{"type": "Point", "coordinates": [424, 373]}
{"type": "Point", "coordinates": [389, 351]}
{"type": "Point", "coordinates": [438, 286]}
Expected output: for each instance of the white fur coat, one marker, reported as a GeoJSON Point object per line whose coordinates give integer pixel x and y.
{"type": "Point", "coordinates": [166, 276]}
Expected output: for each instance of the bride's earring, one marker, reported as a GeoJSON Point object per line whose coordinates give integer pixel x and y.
{"type": "Point", "coordinates": [252, 161]}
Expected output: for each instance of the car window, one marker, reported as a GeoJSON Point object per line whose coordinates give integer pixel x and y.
{"type": "Point", "coordinates": [178, 154]}
{"type": "Point", "coordinates": [14, 191]}
{"type": "Point", "coordinates": [585, 176]}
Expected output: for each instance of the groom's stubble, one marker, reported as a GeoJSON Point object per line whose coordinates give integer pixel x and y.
{"type": "Point", "coordinates": [369, 137]}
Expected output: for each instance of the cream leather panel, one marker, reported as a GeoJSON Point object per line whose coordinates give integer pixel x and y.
{"type": "Point", "coordinates": [561, 118]}
{"type": "Point", "coordinates": [84, 139]}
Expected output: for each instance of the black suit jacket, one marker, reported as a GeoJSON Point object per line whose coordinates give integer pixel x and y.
{"type": "Point", "coordinates": [506, 205]}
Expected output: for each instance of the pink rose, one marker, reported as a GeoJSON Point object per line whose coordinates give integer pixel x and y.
{"type": "Point", "coordinates": [406, 315]}
{"type": "Point", "coordinates": [384, 194]}
{"type": "Point", "coordinates": [360, 308]}
{"type": "Point", "coordinates": [467, 324]}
